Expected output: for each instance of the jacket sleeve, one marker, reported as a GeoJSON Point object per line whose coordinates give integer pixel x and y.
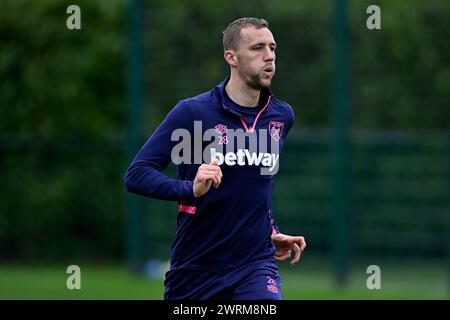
{"type": "Point", "coordinates": [144, 176]}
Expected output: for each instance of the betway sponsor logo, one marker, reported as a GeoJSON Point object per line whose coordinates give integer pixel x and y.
{"type": "Point", "coordinates": [229, 146]}
{"type": "Point", "coordinates": [243, 157]}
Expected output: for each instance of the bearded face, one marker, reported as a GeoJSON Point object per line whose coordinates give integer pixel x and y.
{"type": "Point", "coordinates": [256, 57]}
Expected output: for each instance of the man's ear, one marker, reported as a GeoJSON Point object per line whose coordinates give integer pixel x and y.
{"type": "Point", "coordinates": [230, 58]}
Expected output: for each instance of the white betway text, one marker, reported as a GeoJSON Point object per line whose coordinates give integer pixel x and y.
{"type": "Point", "coordinates": [231, 147]}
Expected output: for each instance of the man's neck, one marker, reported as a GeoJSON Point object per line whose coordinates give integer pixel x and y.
{"type": "Point", "coordinates": [241, 93]}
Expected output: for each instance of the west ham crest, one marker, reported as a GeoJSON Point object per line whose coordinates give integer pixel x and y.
{"type": "Point", "coordinates": [276, 129]}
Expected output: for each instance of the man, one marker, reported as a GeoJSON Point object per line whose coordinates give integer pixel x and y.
{"type": "Point", "coordinates": [227, 241]}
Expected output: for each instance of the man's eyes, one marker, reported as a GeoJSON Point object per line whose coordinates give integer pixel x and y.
{"type": "Point", "coordinates": [259, 48]}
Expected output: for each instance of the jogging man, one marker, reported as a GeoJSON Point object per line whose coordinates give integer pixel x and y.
{"type": "Point", "coordinates": [227, 241]}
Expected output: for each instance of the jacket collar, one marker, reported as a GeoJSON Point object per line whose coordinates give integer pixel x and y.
{"type": "Point", "coordinates": [220, 90]}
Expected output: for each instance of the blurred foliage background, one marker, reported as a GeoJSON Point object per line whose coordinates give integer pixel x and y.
{"type": "Point", "coordinates": [63, 122]}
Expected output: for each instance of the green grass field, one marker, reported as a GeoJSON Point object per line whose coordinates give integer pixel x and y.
{"type": "Point", "coordinates": [310, 280]}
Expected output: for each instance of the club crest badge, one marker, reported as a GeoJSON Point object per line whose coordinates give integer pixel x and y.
{"type": "Point", "coordinates": [276, 129]}
{"type": "Point", "coordinates": [221, 129]}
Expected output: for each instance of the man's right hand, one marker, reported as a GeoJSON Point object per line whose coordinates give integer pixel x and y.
{"type": "Point", "coordinates": [207, 174]}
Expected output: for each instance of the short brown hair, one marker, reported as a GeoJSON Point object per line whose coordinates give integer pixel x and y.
{"type": "Point", "coordinates": [232, 34]}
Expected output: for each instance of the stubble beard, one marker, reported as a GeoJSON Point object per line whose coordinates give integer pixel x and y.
{"type": "Point", "coordinates": [255, 81]}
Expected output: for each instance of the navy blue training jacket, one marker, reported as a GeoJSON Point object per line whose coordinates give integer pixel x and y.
{"type": "Point", "coordinates": [230, 226]}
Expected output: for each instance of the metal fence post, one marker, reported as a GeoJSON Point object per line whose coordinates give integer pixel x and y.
{"type": "Point", "coordinates": [340, 149]}
{"type": "Point", "coordinates": [134, 239]}
{"type": "Point", "coordinates": [448, 213]}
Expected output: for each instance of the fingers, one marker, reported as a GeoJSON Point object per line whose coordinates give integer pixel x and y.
{"type": "Point", "coordinates": [298, 247]}
{"type": "Point", "coordinates": [211, 171]}
{"type": "Point", "coordinates": [287, 243]}
{"type": "Point", "coordinates": [302, 243]}
{"type": "Point", "coordinates": [285, 254]}
{"type": "Point", "coordinates": [205, 176]}
{"type": "Point", "coordinates": [298, 240]}
{"type": "Point", "coordinates": [281, 255]}
{"type": "Point", "coordinates": [215, 176]}
{"type": "Point", "coordinates": [298, 253]}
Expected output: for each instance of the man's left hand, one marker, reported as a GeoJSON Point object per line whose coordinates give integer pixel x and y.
{"type": "Point", "coordinates": [284, 245]}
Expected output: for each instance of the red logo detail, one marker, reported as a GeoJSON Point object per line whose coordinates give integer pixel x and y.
{"type": "Point", "coordinates": [272, 288]}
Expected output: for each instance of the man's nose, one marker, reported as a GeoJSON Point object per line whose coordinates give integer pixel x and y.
{"type": "Point", "coordinates": [269, 55]}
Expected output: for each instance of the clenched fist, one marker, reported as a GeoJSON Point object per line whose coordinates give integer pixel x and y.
{"type": "Point", "coordinates": [207, 174]}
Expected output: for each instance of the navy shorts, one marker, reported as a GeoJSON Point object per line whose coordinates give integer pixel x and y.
{"type": "Point", "coordinates": [257, 281]}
